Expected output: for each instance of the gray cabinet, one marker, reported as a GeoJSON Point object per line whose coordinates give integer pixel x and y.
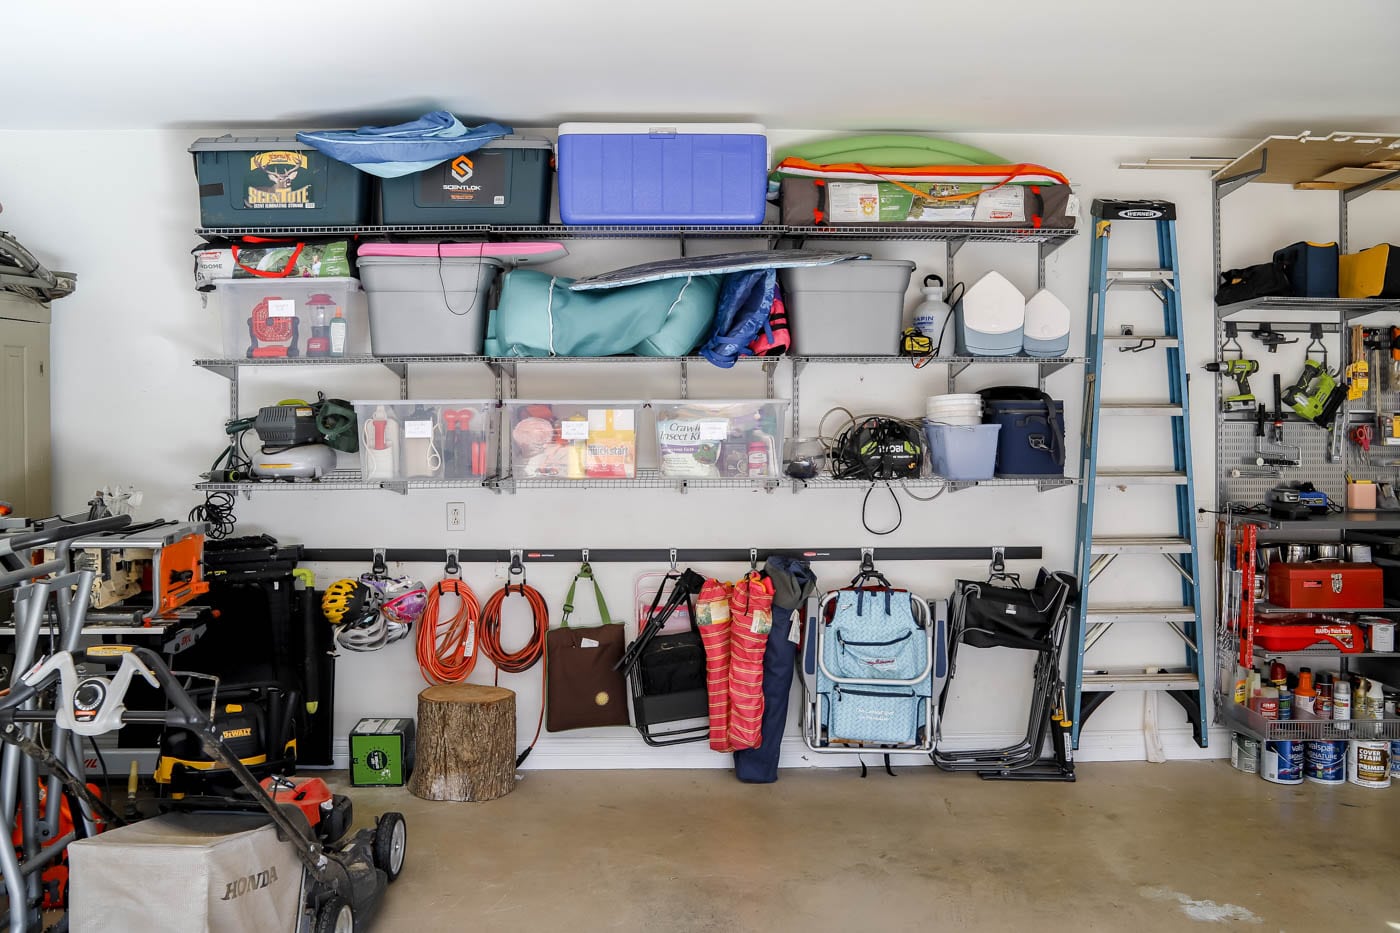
{"type": "Point", "coordinates": [25, 452]}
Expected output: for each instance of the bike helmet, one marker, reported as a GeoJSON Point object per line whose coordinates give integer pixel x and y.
{"type": "Point", "coordinates": [405, 607]}
{"type": "Point", "coordinates": [344, 600]}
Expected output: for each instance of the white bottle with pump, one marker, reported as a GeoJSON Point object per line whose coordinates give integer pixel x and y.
{"type": "Point", "coordinates": [932, 313]}
{"type": "Point", "coordinates": [1341, 701]}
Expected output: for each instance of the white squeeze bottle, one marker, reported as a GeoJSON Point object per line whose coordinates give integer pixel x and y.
{"type": "Point", "coordinates": [933, 311]}
{"type": "Point", "coordinates": [1341, 700]}
{"type": "Point", "coordinates": [1375, 700]}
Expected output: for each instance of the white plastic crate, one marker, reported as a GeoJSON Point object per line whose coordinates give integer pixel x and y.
{"type": "Point", "coordinates": [292, 318]}
{"type": "Point", "coordinates": [732, 438]}
{"type": "Point", "coordinates": [426, 439]}
{"type": "Point", "coordinates": [587, 440]}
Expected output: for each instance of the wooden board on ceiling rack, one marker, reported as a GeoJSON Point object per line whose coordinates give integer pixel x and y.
{"type": "Point", "coordinates": [1303, 159]}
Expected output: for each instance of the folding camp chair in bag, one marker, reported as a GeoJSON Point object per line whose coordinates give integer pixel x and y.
{"type": "Point", "coordinates": [874, 661]}
{"type": "Point", "coordinates": [666, 673]}
{"type": "Point", "coordinates": [1000, 613]}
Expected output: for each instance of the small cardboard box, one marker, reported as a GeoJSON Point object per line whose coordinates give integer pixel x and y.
{"type": "Point", "coordinates": [381, 752]}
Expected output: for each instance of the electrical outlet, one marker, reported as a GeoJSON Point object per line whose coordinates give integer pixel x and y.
{"type": "Point", "coordinates": [456, 516]}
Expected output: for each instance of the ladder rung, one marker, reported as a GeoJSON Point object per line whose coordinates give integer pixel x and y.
{"type": "Point", "coordinates": [1140, 276]}
{"type": "Point", "coordinates": [1108, 681]}
{"type": "Point", "coordinates": [1109, 614]}
{"type": "Point", "coordinates": [1144, 477]}
{"type": "Point", "coordinates": [1139, 544]}
{"type": "Point", "coordinates": [1140, 409]}
{"type": "Point", "coordinates": [1160, 340]}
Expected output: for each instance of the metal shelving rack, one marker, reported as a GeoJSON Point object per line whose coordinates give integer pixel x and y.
{"type": "Point", "coordinates": [505, 370]}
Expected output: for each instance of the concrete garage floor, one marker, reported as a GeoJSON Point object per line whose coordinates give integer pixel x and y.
{"type": "Point", "coordinates": [1138, 847]}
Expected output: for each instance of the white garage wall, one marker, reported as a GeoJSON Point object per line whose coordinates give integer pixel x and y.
{"type": "Point", "coordinates": [118, 208]}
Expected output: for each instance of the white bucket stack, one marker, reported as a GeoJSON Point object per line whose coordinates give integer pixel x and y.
{"type": "Point", "coordinates": [963, 409]}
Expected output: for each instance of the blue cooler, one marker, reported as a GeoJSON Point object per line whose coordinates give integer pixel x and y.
{"type": "Point", "coordinates": [1032, 437]}
{"type": "Point", "coordinates": [276, 181]}
{"type": "Point", "coordinates": [679, 173]}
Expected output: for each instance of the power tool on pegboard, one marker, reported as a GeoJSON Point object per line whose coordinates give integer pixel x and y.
{"type": "Point", "coordinates": [1240, 370]}
{"type": "Point", "coordinates": [1317, 394]}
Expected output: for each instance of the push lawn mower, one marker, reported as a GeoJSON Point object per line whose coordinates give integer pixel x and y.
{"type": "Point", "coordinates": [344, 877]}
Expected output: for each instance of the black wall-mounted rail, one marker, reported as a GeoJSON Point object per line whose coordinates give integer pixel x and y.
{"type": "Point", "coordinates": [663, 555]}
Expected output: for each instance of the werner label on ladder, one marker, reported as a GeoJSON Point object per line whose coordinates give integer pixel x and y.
{"type": "Point", "coordinates": [1173, 554]}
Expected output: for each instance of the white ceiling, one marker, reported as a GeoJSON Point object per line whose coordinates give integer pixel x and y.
{"type": "Point", "coordinates": [1121, 67]}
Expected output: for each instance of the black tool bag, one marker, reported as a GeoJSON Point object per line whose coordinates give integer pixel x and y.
{"type": "Point", "coordinates": [1262, 281]}
{"type": "Point", "coordinates": [1002, 614]}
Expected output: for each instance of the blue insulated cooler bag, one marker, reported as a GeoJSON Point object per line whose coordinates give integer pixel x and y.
{"type": "Point", "coordinates": [1311, 268]}
{"type": "Point", "coordinates": [1031, 441]}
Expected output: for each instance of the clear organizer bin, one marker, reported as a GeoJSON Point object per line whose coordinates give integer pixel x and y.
{"type": "Point", "coordinates": [407, 440]}
{"type": "Point", "coordinates": [587, 440]}
{"type": "Point", "coordinates": [291, 318]}
{"type": "Point", "coordinates": [707, 439]}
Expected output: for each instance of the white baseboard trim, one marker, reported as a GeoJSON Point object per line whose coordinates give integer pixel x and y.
{"type": "Point", "coordinates": [624, 751]}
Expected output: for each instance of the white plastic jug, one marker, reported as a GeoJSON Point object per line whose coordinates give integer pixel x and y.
{"type": "Point", "coordinates": [933, 311]}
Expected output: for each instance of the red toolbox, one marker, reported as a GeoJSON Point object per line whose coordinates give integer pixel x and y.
{"type": "Point", "coordinates": [1326, 585]}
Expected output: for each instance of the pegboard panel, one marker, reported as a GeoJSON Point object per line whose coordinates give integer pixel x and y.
{"type": "Point", "coordinates": [1235, 446]}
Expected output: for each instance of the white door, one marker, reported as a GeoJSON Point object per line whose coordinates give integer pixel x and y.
{"type": "Point", "coordinates": [25, 453]}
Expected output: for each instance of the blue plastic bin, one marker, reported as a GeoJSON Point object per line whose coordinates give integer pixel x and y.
{"type": "Point", "coordinates": [962, 452]}
{"type": "Point", "coordinates": [683, 173]}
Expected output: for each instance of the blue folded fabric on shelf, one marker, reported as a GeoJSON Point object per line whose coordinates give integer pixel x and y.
{"type": "Point", "coordinates": [405, 148]}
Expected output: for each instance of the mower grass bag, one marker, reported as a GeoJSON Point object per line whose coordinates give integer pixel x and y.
{"type": "Point", "coordinates": [538, 315]}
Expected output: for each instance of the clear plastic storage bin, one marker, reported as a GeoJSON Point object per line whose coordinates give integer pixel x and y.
{"type": "Point", "coordinates": [573, 440]}
{"type": "Point", "coordinates": [292, 318]}
{"type": "Point", "coordinates": [720, 438]}
{"type": "Point", "coordinates": [426, 439]}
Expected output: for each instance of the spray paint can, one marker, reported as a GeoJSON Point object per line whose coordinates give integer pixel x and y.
{"type": "Point", "coordinates": [1368, 764]}
{"type": "Point", "coordinates": [1322, 706]}
{"type": "Point", "coordinates": [1282, 762]}
{"type": "Point", "coordinates": [1325, 763]}
{"type": "Point", "coordinates": [1244, 753]}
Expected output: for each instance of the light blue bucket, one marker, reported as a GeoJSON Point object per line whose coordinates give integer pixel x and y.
{"type": "Point", "coordinates": [962, 452]}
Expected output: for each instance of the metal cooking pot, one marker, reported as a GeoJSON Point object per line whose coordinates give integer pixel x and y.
{"type": "Point", "coordinates": [1297, 553]}
{"type": "Point", "coordinates": [1270, 554]}
{"type": "Point", "coordinates": [1359, 553]}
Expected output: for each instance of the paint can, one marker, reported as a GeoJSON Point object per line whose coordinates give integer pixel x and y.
{"type": "Point", "coordinates": [1282, 762]}
{"type": "Point", "coordinates": [1368, 764]}
{"type": "Point", "coordinates": [1244, 753]}
{"type": "Point", "coordinates": [1395, 758]}
{"type": "Point", "coordinates": [1325, 763]}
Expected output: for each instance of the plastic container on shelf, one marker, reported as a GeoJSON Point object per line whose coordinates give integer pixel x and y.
{"type": "Point", "coordinates": [583, 440]}
{"type": "Point", "coordinates": [506, 181]}
{"type": "Point", "coordinates": [275, 181]}
{"type": "Point", "coordinates": [736, 438]}
{"type": "Point", "coordinates": [962, 452]}
{"type": "Point", "coordinates": [990, 318]}
{"type": "Point", "coordinates": [853, 308]}
{"type": "Point", "coordinates": [291, 318]}
{"type": "Point", "coordinates": [428, 305]}
{"type": "Point", "coordinates": [426, 439]}
{"type": "Point", "coordinates": [649, 173]}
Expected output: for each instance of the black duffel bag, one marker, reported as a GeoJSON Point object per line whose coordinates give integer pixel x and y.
{"type": "Point", "coordinates": [1262, 281]}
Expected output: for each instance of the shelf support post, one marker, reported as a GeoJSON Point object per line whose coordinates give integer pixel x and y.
{"type": "Point", "coordinates": [1351, 194]}
{"type": "Point", "coordinates": [769, 366]}
{"type": "Point", "coordinates": [797, 366]}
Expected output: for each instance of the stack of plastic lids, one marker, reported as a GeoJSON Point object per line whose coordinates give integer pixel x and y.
{"type": "Point", "coordinates": [954, 409]}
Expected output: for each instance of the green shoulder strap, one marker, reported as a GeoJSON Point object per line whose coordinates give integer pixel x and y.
{"type": "Point", "coordinates": [585, 572]}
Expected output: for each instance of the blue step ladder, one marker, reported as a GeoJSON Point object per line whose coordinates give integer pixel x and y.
{"type": "Point", "coordinates": [1186, 684]}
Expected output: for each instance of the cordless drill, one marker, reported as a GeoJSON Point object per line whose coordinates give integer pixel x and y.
{"type": "Point", "coordinates": [1239, 370]}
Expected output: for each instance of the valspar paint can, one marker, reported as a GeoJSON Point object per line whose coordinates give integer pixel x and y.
{"type": "Point", "coordinates": [1368, 764]}
{"type": "Point", "coordinates": [1244, 753]}
{"type": "Point", "coordinates": [1282, 762]}
{"type": "Point", "coordinates": [1325, 763]}
{"type": "Point", "coordinates": [1395, 758]}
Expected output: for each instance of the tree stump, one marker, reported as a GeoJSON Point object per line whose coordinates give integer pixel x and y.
{"type": "Point", "coordinates": [466, 743]}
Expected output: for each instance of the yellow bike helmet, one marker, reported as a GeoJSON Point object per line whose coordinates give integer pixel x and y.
{"type": "Point", "coordinates": [344, 599]}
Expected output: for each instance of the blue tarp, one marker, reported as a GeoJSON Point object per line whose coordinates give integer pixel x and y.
{"type": "Point", "coordinates": [392, 151]}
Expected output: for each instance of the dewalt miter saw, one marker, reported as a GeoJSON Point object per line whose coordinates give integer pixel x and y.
{"type": "Point", "coordinates": [1317, 393]}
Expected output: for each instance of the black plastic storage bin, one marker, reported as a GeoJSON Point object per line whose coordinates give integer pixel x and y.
{"type": "Point", "coordinates": [1032, 437]}
{"type": "Point", "coordinates": [275, 181]}
{"type": "Point", "coordinates": [506, 181]}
